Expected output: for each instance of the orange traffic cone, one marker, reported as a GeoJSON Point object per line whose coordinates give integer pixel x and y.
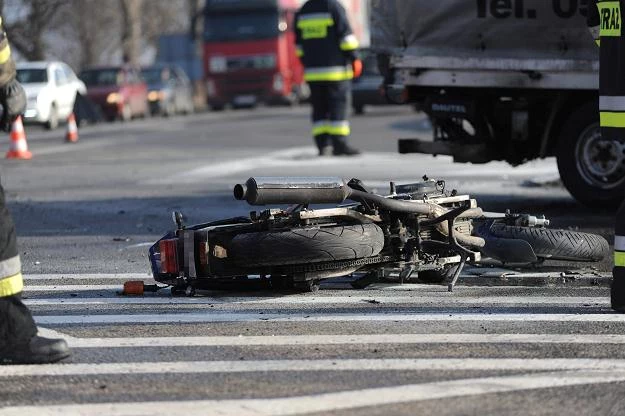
{"type": "Point", "coordinates": [18, 148]}
{"type": "Point", "coordinates": [72, 129]}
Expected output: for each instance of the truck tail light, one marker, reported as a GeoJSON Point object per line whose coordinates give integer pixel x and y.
{"type": "Point", "coordinates": [169, 256]}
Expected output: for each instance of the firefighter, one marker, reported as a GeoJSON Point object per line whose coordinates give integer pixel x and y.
{"type": "Point", "coordinates": [606, 25]}
{"type": "Point", "coordinates": [19, 342]}
{"type": "Point", "coordinates": [328, 49]}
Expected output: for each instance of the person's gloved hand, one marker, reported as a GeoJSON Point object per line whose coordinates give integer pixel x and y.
{"type": "Point", "coordinates": [13, 101]}
{"type": "Point", "coordinates": [357, 68]}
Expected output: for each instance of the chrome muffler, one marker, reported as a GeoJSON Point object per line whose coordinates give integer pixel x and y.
{"type": "Point", "coordinates": [292, 190]}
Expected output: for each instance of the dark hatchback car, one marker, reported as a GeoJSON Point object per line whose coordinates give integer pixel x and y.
{"type": "Point", "coordinates": [366, 89]}
{"type": "Point", "coordinates": [169, 90]}
{"type": "Point", "coordinates": [119, 91]}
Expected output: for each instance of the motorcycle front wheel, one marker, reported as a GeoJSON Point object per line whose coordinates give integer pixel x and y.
{"type": "Point", "coordinates": [557, 244]}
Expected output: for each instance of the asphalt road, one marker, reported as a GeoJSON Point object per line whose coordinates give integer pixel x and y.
{"type": "Point", "coordinates": [506, 342]}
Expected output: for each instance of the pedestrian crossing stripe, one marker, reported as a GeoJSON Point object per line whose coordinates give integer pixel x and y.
{"type": "Point", "coordinates": [299, 316]}
{"type": "Point", "coordinates": [334, 401]}
{"type": "Point", "coordinates": [270, 301]}
{"type": "Point", "coordinates": [343, 364]}
{"type": "Point", "coordinates": [351, 339]}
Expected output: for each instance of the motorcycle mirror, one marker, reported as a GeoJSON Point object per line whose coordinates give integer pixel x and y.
{"type": "Point", "coordinates": [178, 219]}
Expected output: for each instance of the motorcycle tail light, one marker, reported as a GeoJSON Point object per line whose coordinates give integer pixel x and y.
{"type": "Point", "coordinates": [169, 256]}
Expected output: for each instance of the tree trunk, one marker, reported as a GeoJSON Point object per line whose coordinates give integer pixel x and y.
{"type": "Point", "coordinates": [131, 31]}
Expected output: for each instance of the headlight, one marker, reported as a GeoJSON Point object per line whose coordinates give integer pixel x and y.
{"type": "Point", "coordinates": [156, 95]}
{"type": "Point", "coordinates": [218, 64]}
{"type": "Point", "coordinates": [113, 98]}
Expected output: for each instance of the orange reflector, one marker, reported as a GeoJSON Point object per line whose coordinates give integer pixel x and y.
{"type": "Point", "coordinates": [133, 287]}
{"type": "Point", "coordinates": [169, 256]}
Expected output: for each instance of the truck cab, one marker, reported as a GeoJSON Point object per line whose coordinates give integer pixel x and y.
{"type": "Point", "coordinates": [249, 53]}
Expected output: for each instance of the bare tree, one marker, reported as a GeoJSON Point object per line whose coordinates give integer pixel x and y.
{"type": "Point", "coordinates": [161, 17]}
{"type": "Point", "coordinates": [195, 17]}
{"type": "Point", "coordinates": [131, 30]}
{"type": "Point", "coordinates": [89, 34]}
{"type": "Point", "coordinates": [35, 17]}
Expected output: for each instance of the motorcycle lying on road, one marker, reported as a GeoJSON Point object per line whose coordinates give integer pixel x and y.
{"type": "Point", "coordinates": [419, 231]}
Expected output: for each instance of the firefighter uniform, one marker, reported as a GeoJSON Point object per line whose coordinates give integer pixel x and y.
{"type": "Point", "coordinates": [19, 342]}
{"type": "Point", "coordinates": [606, 25]}
{"type": "Point", "coordinates": [328, 50]}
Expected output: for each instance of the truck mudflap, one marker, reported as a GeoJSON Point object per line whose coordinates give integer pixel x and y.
{"type": "Point", "coordinates": [462, 153]}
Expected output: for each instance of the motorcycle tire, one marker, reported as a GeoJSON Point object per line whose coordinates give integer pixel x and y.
{"type": "Point", "coordinates": [306, 245]}
{"type": "Point", "coordinates": [557, 244]}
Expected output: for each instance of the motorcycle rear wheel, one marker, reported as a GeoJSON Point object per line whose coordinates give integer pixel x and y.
{"type": "Point", "coordinates": [305, 245]}
{"type": "Point", "coordinates": [557, 244]}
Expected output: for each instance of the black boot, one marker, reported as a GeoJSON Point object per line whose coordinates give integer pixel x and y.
{"type": "Point", "coordinates": [38, 350]}
{"type": "Point", "coordinates": [617, 291]}
{"type": "Point", "coordinates": [323, 144]}
{"type": "Point", "coordinates": [19, 343]}
{"type": "Point", "coordinates": [341, 148]}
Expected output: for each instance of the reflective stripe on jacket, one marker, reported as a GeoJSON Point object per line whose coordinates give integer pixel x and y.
{"type": "Point", "coordinates": [11, 282]}
{"type": "Point", "coordinates": [324, 41]}
{"type": "Point", "coordinates": [606, 26]}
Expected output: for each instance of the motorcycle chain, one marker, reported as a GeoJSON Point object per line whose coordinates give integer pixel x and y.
{"type": "Point", "coordinates": [335, 265]}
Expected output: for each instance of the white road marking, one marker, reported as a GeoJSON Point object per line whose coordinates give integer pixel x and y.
{"type": "Point", "coordinates": [331, 402]}
{"type": "Point", "coordinates": [253, 366]}
{"type": "Point", "coordinates": [231, 167]}
{"type": "Point", "coordinates": [50, 333]}
{"type": "Point", "coordinates": [297, 340]}
{"type": "Point", "coordinates": [449, 299]}
{"type": "Point", "coordinates": [88, 276]}
{"type": "Point", "coordinates": [81, 145]}
{"type": "Point", "coordinates": [468, 272]}
{"type": "Point", "coordinates": [70, 288]}
{"type": "Point", "coordinates": [209, 317]}
{"type": "Point", "coordinates": [306, 156]}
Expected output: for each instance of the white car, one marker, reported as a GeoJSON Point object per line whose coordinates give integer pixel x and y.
{"type": "Point", "coordinates": [51, 89]}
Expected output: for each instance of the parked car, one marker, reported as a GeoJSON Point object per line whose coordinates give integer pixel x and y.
{"type": "Point", "coordinates": [170, 91]}
{"type": "Point", "coordinates": [366, 89]}
{"type": "Point", "coordinates": [119, 91]}
{"type": "Point", "coordinates": [51, 89]}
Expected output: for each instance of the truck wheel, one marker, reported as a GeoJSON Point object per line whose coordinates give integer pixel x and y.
{"type": "Point", "coordinates": [306, 245]}
{"type": "Point", "coordinates": [557, 244]}
{"type": "Point", "coordinates": [591, 168]}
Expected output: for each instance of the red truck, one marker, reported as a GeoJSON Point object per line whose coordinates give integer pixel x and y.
{"type": "Point", "coordinates": [249, 53]}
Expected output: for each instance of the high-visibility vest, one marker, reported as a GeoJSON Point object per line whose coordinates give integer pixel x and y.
{"type": "Point", "coordinates": [606, 25]}
{"type": "Point", "coordinates": [324, 41]}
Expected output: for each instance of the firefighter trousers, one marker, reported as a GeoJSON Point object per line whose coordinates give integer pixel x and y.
{"type": "Point", "coordinates": [329, 112]}
{"type": "Point", "coordinates": [618, 273]}
{"type": "Point", "coordinates": [16, 323]}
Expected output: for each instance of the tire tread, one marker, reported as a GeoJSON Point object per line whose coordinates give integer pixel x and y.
{"type": "Point", "coordinates": [557, 244]}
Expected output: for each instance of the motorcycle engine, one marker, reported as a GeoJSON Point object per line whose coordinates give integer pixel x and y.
{"type": "Point", "coordinates": [434, 190]}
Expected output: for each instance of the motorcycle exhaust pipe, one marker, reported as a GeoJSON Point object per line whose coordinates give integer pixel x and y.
{"type": "Point", "coordinates": [292, 190]}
